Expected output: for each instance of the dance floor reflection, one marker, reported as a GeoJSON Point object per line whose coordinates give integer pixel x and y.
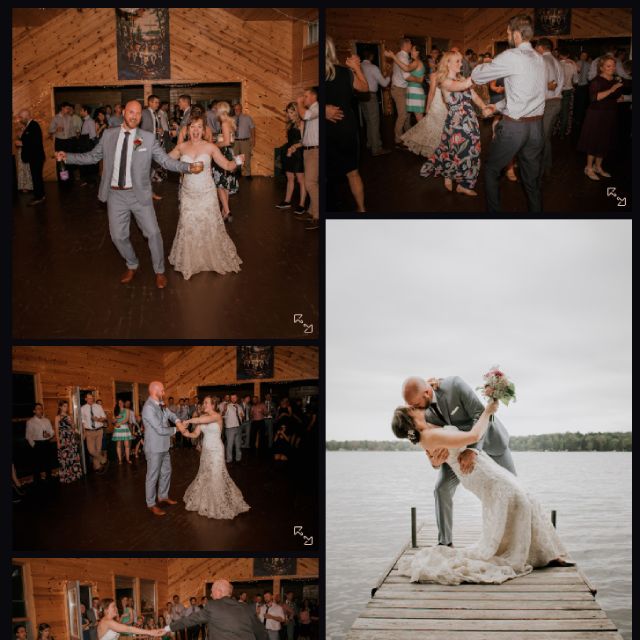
{"type": "Point", "coordinates": [66, 272]}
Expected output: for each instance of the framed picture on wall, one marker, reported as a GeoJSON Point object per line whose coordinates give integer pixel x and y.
{"type": "Point", "coordinates": [274, 566]}
{"type": "Point", "coordinates": [552, 22]}
{"type": "Point", "coordinates": [254, 362]}
{"type": "Point", "coordinates": [142, 44]}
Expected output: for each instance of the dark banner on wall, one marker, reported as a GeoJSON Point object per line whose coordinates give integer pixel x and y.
{"type": "Point", "coordinates": [274, 567]}
{"type": "Point", "coordinates": [552, 22]}
{"type": "Point", "coordinates": [142, 37]}
{"type": "Point", "coordinates": [255, 363]}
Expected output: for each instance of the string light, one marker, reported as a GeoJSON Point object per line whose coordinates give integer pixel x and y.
{"type": "Point", "coordinates": [286, 15]}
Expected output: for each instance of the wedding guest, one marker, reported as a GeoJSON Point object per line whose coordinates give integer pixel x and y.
{"type": "Point", "coordinates": [76, 123]}
{"type": "Point", "coordinates": [102, 123]}
{"type": "Point", "coordinates": [570, 78]}
{"type": "Point", "coordinates": [86, 141]}
{"type": "Point", "coordinates": [519, 133]}
{"type": "Point", "coordinates": [233, 417]}
{"type": "Point", "coordinates": [304, 621]}
{"type": "Point", "coordinates": [342, 136]}
{"type": "Point", "coordinates": [192, 632]}
{"type": "Point", "coordinates": [245, 427]}
{"type": "Point", "coordinates": [171, 405]}
{"type": "Point", "coordinates": [203, 601]}
{"type": "Point", "coordinates": [269, 416]}
{"type": "Point", "coordinates": [309, 111]}
{"type": "Point", "coordinates": [415, 99]}
{"type": "Point", "coordinates": [162, 623]}
{"type": "Point", "coordinates": [32, 153]}
{"type": "Point", "coordinates": [163, 118]}
{"type": "Point", "coordinates": [293, 163]}
{"type": "Point", "coordinates": [127, 614]}
{"type": "Point", "coordinates": [40, 434]}
{"type": "Point", "coordinates": [123, 420]}
{"type": "Point", "coordinates": [553, 99]}
{"type": "Point", "coordinates": [226, 181]}
{"type": "Point", "coordinates": [457, 158]}
{"type": "Point", "coordinates": [85, 622]}
{"type": "Point", "coordinates": [271, 615]}
{"type": "Point", "coordinates": [467, 63]}
{"type": "Point", "coordinates": [399, 89]}
{"type": "Point", "coordinates": [245, 138]}
{"type": "Point", "coordinates": [581, 100]}
{"type": "Point", "coordinates": [93, 613]}
{"type": "Point", "coordinates": [599, 131]}
{"type": "Point", "coordinates": [69, 465]}
{"type": "Point", "coordinates": [177, 612]}
{"type": "Point", "coordinates": [150, 122]}
{"type": "Point", "coordinates": [369, 108]}
{"type": "Point", "coordinates": [20, 632]}
{"type": "Point", "coordinates": [116, 118]}
{"type": "Point", "coordinates": [61, 129]}
{"type": "Point", "coordinates": [290, 609]}
{"type": "Point", "coordinates": [257, 435]}
{"type": "Point", "coordinates": [44, 631]}
{"type": "Point", "coordinates": [184, 104]}
{"type": "Point", "coordinates": [618, 55]}
{"type": "Point", "coordinates": [243, 598]}
{"type": "Point", "coordinates": [94, 420]}
{"type": "Point", "coordinates": [212, 117]}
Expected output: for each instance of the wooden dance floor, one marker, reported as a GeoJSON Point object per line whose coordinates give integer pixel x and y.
{"type": "Point", "coordinates": [66, 272]}
{"type": "Point", "coordinates": [108, 512]}
{"type": "Point", "coordinates": [393, 184]}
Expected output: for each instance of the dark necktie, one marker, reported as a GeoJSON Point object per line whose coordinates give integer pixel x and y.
{"type": "Point", "coordinates": [437, 412]}
{"type": "Point", "coordinates": [265, 614]}
{"type": "Point", "coordinates": [92, 415]}
{"type": "Point", "coordinates": [237, 125]}
{"type": "Point", "coordinates": [122, 176]}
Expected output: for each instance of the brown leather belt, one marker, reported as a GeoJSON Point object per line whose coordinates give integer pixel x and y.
{"type": "Point", "coordinates": [122, 188]}
{"type": "Point", "coordinates": [314, 147]}
{"type": "Point", "coordinates": [528, 119]}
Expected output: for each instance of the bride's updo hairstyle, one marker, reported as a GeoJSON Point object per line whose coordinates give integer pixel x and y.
{"type": "Point", "coordinates": [403, 426]}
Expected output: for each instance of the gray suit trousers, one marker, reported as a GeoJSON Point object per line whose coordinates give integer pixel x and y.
{"type": "Point", "coordinates": [446, 486]}
{"type": "Point", "coordinates": [158, 476]}
{"type": "Point", "coordinates": [234, 439]}
{"type": "Point", "coordinates": [121, 204]}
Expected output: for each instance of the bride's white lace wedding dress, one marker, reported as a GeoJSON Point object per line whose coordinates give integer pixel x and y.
{"type": "Point", "coordinates": [213, 493]}
{"type": "Point", "coordinates": [201, 242]}
{"type": "Point", "coordinates": [516, 534]}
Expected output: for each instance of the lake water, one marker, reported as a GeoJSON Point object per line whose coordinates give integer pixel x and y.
{"type": "Point", "coordinates": [369, 496]}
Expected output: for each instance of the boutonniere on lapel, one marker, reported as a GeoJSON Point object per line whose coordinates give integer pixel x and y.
{"type": "Point", "coordinates": [136, 143]}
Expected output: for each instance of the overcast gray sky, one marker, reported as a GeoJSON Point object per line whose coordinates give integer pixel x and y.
{"type": "Point", "coordinates": [549, 301]}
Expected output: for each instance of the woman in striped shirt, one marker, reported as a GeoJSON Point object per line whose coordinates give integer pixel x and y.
{"type": "Point", "coordinates": [415, 89]}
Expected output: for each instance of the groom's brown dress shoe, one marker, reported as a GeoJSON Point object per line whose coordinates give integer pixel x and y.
{"type": "Point", "coordinates": [167, 501]}
{"type": "Point", "coordinates": [155, 196]}
{"type": "Point", "coordinates": [128, 276]}
{"type": "Point", "coordinates": [157, 511]}
{"type": "Point", "coordinates": [161, 280]}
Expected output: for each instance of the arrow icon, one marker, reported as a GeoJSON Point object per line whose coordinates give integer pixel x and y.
{"type": "Point", "coordinates": [308, 328]}
{"type": "Point", "coordinates": [611, 191]}
{"type": "Point", "coordinates": [308, 541]}
{"type": "Point", "coordinates": [622, 202]}
{"type": "Point", "coordinates": [297, 318]}
{"type": "Point", "coordinates": [297, 531]}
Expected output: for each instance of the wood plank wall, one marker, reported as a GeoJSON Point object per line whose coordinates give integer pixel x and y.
{"type": "Point", "coordinates": [77, 47]}
{"type": "Point", "coordinates": [47, 578]}
{"type": "Point", "coordinates": [183, 370]}
{"type": "Point", "coordinates": [188, 576]}
{"type": "Point", "coordinates": [474, 28]}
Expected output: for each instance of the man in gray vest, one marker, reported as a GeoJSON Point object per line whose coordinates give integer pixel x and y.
{"type": "Point", "coordinates": [452, 401]}
{"type": "Point", "coordinates": [157, 440]}
{"type": "Point", "coordinates": [127, 152]}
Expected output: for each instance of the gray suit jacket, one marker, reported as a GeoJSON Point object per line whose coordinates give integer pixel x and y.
{"type": "Point", "coordinates": [157, 427]}
{"type": "Point", "coordinates": [93, 631]}
{"type": "Point", "coordinates": [142, 156]}
{"type": "Point", "coordinates": [147, 122]}
{"type": "Point", "coordinates": [225, 618]}
{"type": "Point", "coordinates": [461, 407]}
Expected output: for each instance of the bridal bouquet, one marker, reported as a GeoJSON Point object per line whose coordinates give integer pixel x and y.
{"type": "Point", "coordinates": [498, 387]}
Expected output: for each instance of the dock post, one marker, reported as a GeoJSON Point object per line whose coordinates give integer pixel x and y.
{"type": "Point", "coordinates": [553, 517]}
{"type": "Point", "coordinates": [414, 535]}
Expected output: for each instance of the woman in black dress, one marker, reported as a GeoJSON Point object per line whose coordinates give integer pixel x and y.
{"type": "Point", "coordinates": [342, 130]}
{"type": "Point", "coordinates": [598, 136]}
{"type": "Point", "coordinates": [294, 161]}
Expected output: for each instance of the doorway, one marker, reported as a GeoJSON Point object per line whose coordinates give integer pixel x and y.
{"type": "Point", "coordinates": [202, 94]}
{"type": "Point", "coordinates": [250, 587]}
{"type": "Point", "coordinates": [23, 390]}
{"type": "Point", "coordinates": [305, 389]}
{"type": "Point", "coordinates": [302, 588]}
{"type": "Point", "coordinates": [125, 588]}
{"type": "Point", "coordinates": [97, 97]}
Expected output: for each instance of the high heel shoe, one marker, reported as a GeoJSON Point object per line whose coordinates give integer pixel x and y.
{"type": "Point", "coordinates": [467, 192]}
{"type": "Point", "coordinates": [590, 173]}
{"type": "Point", "coordinates": [448, 184]}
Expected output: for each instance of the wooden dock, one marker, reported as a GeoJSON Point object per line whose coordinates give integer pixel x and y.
{"type": "Point", "coordinates": [555, 603]}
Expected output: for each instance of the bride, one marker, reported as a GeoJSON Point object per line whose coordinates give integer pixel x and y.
{"type": "Point", "coordinates": [212, 493]}
{"type": "Point", "coordinates": [516, 535]}
{"type": "Point", "coordinates": [201, 242]}
{"type": "Point", "coordinates": [110, 629]}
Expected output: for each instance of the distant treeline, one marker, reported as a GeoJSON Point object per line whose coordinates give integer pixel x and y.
{"type": "Point", "coordinates": [610, 441]}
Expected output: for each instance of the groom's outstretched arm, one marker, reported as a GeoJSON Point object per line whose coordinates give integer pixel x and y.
{"type": "Point", "coordinates": [471, 404]}
{"type": "Point", "coordinates": [197, 618]}
{"type": "Point", "coordinates": [90, 157]}
{"type": "Point", "coordinates": [160, 156]}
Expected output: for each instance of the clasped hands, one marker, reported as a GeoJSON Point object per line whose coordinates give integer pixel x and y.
{"type": "Point", "coordinates": [467, 459]}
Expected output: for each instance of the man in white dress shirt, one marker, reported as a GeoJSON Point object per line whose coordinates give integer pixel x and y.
{"type": "Point", "coordinates": [369, 108]}
{"type": "Point", "coordinates": [272, 616]}
{"type": "Point", "coordinates": [519, 133]}
{"type": "Point", "coordinates": [552, 99]}
{"type": "Point", "coordinates": [192, 632]}
{"type": "Point", "coordinates": [570, 75]}
{"type": "Point", "coordinates": [94, 420]}
{"type": "Point", "coordinates": [399, 90]}
{"type": "Point", "coordinates": [178, 611]}
{"type": "Point", "coordinates": [150, 122]}
{"type": "Point", "coordinates": [245, 137]}
{"type": "Point", "coordinates": [39, 434]}
{"type": "Point", "coordinates": [233, 417]}
{"type": "Point", "coordinates": [309, 110]}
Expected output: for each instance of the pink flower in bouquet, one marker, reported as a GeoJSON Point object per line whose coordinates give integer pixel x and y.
{"type": "Point", "coordinates": [497, 386]}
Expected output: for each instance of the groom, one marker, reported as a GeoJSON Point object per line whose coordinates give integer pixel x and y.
{"type": "Point", "coordinates": [224, 617]}
{"type": "Point", "coordinates": [157, 440]}
{"type": "Point", "coordinates": [127, 152]}
{"type": "Point", "coordinates": [452, 401]}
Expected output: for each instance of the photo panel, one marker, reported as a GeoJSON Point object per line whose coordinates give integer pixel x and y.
{"type": "Point", "coordinates": [478, 111]}
{"type": "Point", "coordinates": [139, 448]}
{"type": "Point", "coordinates": [448, 315]}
